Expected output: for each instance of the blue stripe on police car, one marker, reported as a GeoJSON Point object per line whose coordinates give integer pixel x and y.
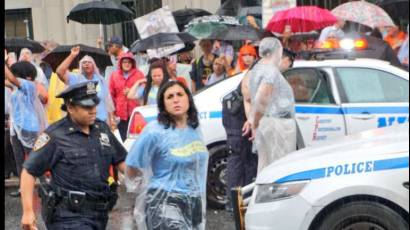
{"type": "Point", "coordinates": [348, 169]}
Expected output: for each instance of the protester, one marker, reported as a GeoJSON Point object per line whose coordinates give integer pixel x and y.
{"type": "Point", "coordinates": [27, 114]}
{"type": "Point", "coordinates": [115, 48]}
{"type": "Point", "coordinates": [247, 56]}
{"type": "Point", "coordinates": [54, 112]}
{"type": "Point", "coordinates": [146, 90]}
{"type": "Point", "coordinates": [171, 156]}
{"type": "Point", "coordinates": [78, 150]}
{"type": "Point", "coordinates": [403, 54]}
{"type": "Point", "coordinates": [89, 71]}
{"type": "Point", "coordinates": [202, 67]}
{"type": "Point", "coordinates": [335, 31]}
{"type": "Point", "coordinates": [272, 110]}
{"type": "Point", "coordinates": [395, 38]}
{"type": "Point", "coordinates": [219, 71]}
{"type": "Point", "coordinates": [27, 55]}
{"type": "Point", "coordinates": [120, 83]}
{"type": "Point", "coordinates": [172, 72]}
{"type": "Point", "coordinates": [224, 49]}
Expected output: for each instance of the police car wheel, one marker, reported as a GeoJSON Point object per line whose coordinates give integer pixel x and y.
{"type": "Point", "coordinates": [363, 215]}
{"type": "Point", "coordinates": [216, 182]}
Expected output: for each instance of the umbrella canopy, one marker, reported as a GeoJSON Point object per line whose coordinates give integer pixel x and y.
{"type": "Point", "coordinates": [237, 33]}
{"type": "Point", "coordinates": [161, 40]}
{"type": "Point", "coordinates": [100, 12]}
{"type": "Point", "coordinates": [364, 13]}
{"type": "Point", "coordinates": [397, 9]}
{"type": "Point", "coordinates": [184, 16]}
{"type": "Point", "coordinates": [203, 27]}
{"type": "Point", "coordinates": [301, 19]}
{"type": "Point", "coordinates": [57, 55]}
{"type": "Point", "coordinates": [16, 44]}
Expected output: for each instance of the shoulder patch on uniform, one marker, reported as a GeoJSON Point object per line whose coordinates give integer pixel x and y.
{"type": "Point", "coordinates": [41, 141]}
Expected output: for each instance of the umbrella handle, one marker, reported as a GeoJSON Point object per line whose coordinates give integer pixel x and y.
{"type": "Point", "coordinates": [101, 30]}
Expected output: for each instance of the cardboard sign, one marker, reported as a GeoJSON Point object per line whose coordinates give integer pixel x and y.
{"type": "Point", "coordinates": [158, 21]}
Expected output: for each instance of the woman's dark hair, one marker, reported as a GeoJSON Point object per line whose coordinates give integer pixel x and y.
{"type": "Point", "coordinates": [165, 118]}
{"type": "Point", "coordinates": [24, 69]}
{"type": "Point", "coordinates": [155, 65]}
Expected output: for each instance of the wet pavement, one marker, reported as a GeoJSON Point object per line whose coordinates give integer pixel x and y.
{"type": "Point", "coordinates": [120, 217]}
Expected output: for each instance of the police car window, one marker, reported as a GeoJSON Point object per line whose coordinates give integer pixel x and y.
{"type": "Point", "coordinates": [309, 86]}
{"type": "Point", "coordinates": [363, 85]}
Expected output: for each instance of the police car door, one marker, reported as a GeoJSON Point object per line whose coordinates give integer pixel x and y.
{"type": "Point", "coordinates": [372, 98]}
{"type": "Point", "coordinates": [317, 114]}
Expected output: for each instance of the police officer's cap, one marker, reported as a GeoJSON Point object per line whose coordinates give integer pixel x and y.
{"type": "Point", "coordinates": [84, 94]}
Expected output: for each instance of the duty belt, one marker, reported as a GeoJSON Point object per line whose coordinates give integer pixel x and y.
{"type": "Point", "coordinates": [81, 200]}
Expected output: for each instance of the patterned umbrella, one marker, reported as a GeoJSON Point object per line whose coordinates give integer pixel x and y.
{"type": "Point", "coordinates": [301, 19]}
{"type": "Point", "coordinates": [203, 27]}
{"type": "Point", "coordinates": [364, 13]}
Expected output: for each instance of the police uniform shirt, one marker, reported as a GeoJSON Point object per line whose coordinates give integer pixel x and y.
{"type": "Point", "coordinates": [78, 162]}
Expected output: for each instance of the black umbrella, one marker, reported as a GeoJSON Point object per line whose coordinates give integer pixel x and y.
{"type": "Point", "coordinates": [183, 16]}
{"type": "Point", "coordinates": [57, 55]}
{"type": "Point", "coordinates": [100, 12]}
{"type": "Point", "coordinates": [161, 40]}
{"type": "Point", "coordinates": [236, 33]}
{"type": "Point", "coordinates": [16, 44]}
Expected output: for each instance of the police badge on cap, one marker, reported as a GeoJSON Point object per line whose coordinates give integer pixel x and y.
{"type": "Point", "coordinates": [83, 94]}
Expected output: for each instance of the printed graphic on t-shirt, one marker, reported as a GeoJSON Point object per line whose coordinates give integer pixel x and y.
{"type": "Point", "coordinates": [189, 149]}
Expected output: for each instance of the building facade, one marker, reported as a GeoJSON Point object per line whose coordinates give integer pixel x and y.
{"type": "Point", "coordinates": [46, 19]}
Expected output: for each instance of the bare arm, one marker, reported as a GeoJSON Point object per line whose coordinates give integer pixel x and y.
{"type": "Point", "coordinates": [10, 76]}
{"type": "Point", "coordinates": [132, 92]}
{"type": "Point", "coordinates": [262, 100]}
{"type": "Point", "coordinates": [8, 84]}
{"type": "Point", "coordinates": [63, 67]}
{"type": "Point", "coordinates": [247, 105]}
{"type": "Point", "coordinates": [121, 166]}
{"type": "Point", "coordinates": [27, 182]}
{"type": "Point", "coordinates": [132, 172]}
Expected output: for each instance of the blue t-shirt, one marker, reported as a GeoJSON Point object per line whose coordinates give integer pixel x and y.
{"type": "Point", "coordinates": [23, 113]}
{"type": "Point", "coordinates": [102, 92]}
{"type": "Point", "coordinates": [152, 95]}
{"type": "Point", "coordinates": [178, 158]}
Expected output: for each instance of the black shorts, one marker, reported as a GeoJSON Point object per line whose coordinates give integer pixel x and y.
{"type": "Point", "coordinates": [168, 211]}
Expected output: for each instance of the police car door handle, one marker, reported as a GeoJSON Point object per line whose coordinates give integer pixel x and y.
{"type": "Point", "coordinates": [303, 118]}
{"type": "Point", "coordinates": [364, 116]}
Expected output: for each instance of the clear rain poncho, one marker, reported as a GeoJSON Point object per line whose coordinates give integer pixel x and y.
{"type": "Point", "coordinates": [27, 113]}
{"type": "Point", "coordinates": [171, 192]}
{"type": "Point", "coordinates": [272, 96]}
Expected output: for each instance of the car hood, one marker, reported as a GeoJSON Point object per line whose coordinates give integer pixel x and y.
{"type": "Point", "coordinates": [360, 146]}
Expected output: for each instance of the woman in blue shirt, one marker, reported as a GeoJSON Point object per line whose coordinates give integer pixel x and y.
{"type": "Point", "coordinates": [146, 90]}
{"type": "Point", "coordinates": [27, 114]}
{"type": "Point", "coordinates": [171, 158]}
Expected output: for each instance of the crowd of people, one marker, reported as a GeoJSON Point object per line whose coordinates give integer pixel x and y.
{"type": "Point", "coordinates": [169, 159]}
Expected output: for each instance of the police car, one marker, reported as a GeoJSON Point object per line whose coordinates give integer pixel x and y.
{"type": "Point", "coordinates": [333, 98]}
{"type": "Point", "coordinates": [355, 182]}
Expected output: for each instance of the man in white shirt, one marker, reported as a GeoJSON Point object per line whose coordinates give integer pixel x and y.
{"type": "Point", "coordinates": [335, 31]}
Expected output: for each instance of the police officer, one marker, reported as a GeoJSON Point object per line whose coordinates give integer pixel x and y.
{"type": "Point", "coordinates": [78, 150]}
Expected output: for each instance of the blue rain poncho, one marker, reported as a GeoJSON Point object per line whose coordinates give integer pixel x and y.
{"type": "Point", "coordinates": [171, 193]}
